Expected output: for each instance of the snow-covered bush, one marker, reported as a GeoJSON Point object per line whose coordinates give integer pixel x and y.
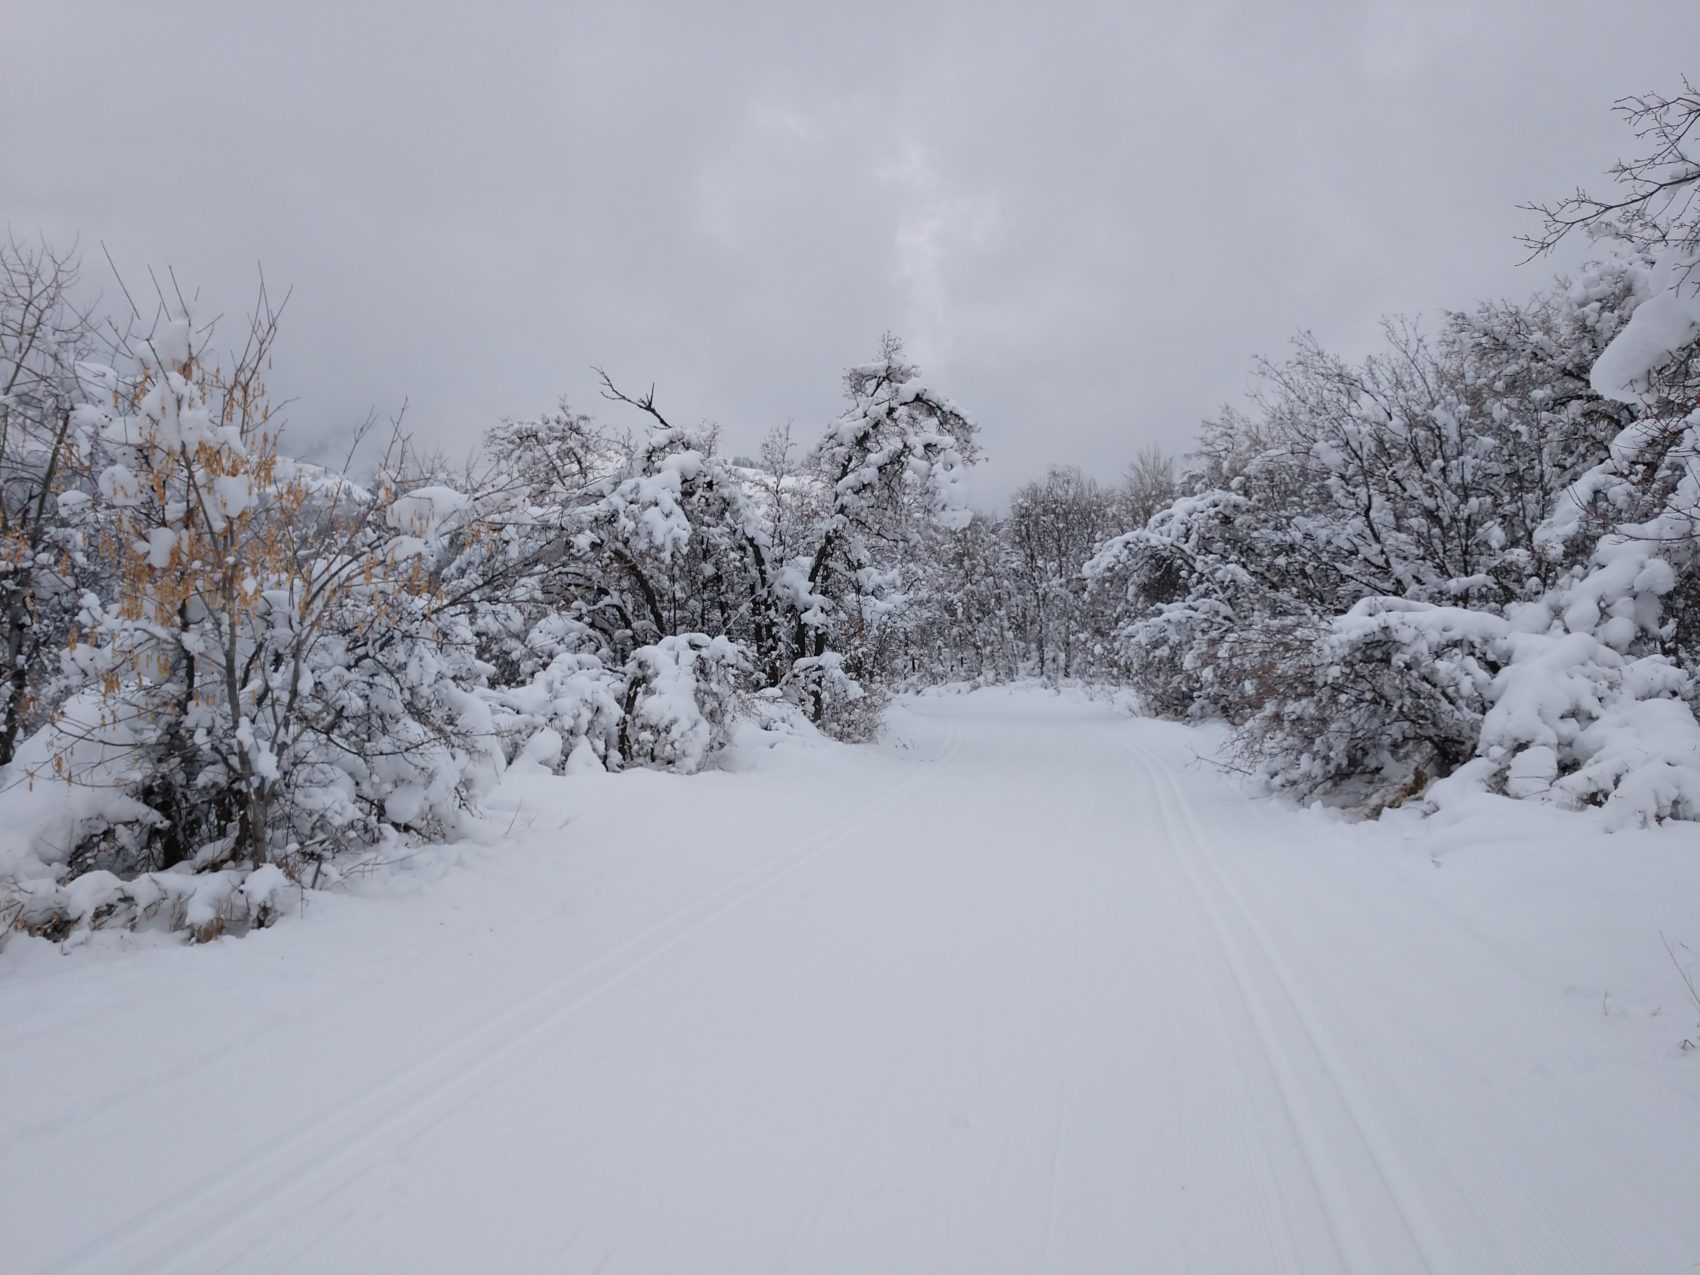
{"type": "Point", "coordinates": [273, 672]}
{"type": "Point", "coordinates": [1188, 581]}
{"type": "Point", "coordinates": [842, 706]}
{"type": "Point", "coordinates": [1576, 722]}
{"type": "Point", "coordinates": [568, 716]}
{"type": "Point", "coordinates": [679, 697]}
{"type": "Point", "coordinates": [206, 905]}
{"type": "Point", "coordinates": [1373, 703]}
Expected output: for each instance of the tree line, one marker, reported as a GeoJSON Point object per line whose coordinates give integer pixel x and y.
{"type": "Point", "coordinates": [1469, 557]}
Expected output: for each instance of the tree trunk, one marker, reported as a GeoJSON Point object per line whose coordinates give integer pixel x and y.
{"type": "Point", "coordinates": [17, 672]}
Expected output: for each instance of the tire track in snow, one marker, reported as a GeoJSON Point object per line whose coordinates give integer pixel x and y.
{"type": "Point", "coordinates": [247, 1188]}
{"type": "Point", "coordinates": [1343, 1202]}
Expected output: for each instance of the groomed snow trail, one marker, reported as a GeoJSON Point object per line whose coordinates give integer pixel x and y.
{"type": "Point", "coordinates": [1037, 995]}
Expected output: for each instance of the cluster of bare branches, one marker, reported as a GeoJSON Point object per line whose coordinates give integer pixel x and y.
{"type": "Point", "coordinates": [1657, 202]}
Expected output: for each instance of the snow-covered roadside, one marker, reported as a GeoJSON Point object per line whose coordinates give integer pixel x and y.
{"type": "Point", "coordinates": [142, 1045]}
{"type": "Point", "coordinates": [1021, 986]}
{"type": "Point", "coordinates": [560, 870]}
{"type": "Point", "coordinates": [1586, 910]}
{"type": "Point", "coordinates": [1609, 919]}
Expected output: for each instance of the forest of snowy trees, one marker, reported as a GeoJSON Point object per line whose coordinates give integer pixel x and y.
{"type": "Point", "coordinates": [1470, 557]}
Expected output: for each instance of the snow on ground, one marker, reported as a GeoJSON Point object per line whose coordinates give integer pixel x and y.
{"type": "Point", "coordinates": [1023, 988]}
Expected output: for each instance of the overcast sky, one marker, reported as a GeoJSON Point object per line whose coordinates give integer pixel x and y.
{"type": "Point", "coordinates": [1085, 219]}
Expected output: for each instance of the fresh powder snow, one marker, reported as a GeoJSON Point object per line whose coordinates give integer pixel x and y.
{"type": "Point", "coordinates": [1024, 987]}
{"type": "Point", "coordinates": [728, 832]}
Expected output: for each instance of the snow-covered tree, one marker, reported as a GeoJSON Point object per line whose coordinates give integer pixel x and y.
{"type": "Point", "coordinates": [893, 462]}
{"type": "Point", "coordinates": [1054, 525]}
{"type": "Point", "coordinates": [277, 671]}
{"type": "Point", "coordinates": [807, 566]}
{"type": "Point", "coordinates": [1442, 555]}
{"type": "Point", "coordinates": [44, 334]}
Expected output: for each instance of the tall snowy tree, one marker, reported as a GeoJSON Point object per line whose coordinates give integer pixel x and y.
{"type": "Point", "coordinates": [44, 334]}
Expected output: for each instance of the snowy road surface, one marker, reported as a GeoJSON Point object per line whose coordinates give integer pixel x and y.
{"type": "Point", "coordinates": [1021, 990]}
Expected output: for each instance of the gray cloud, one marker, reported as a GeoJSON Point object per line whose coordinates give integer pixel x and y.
{"type": "Point", "coordinates": [1086, 219]}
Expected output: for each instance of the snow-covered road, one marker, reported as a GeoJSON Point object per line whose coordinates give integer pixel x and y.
{"type": "Point", "coordinates": [1021, 990]}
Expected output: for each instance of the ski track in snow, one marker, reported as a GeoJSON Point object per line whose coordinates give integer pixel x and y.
{"type": "Point", "coordinates": [1351, 1199]}
{"type": "Point", "coordinates": [258, 1182]}
{"type": "Point", "coordinates": [1044, 998]}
